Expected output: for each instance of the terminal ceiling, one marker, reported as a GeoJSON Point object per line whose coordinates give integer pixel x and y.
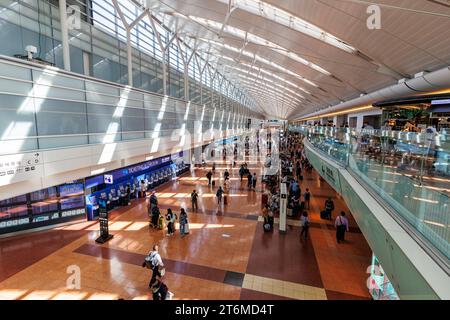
{"type": "Point", "coordinates": [295, 57]}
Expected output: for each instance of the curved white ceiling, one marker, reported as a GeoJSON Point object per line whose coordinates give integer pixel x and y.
{"type": "Point", "coordinates": [313, 53]}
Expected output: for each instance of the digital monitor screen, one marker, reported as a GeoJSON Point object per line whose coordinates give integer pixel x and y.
{"type": "Point", "coordinates": [71, 189]}
{"type": "Point", "coordinates": [13, 212]}
{"type": "Point", "coordinates": [19, 199]}
{"type": "Point", "coordinates": [72, 203]}
{"type": "Point", "coordinates": [43, 194]}
{"type": "Point", "coordinates": [44, 207]}
{"type": "Point", "coordinates": [94, 181]}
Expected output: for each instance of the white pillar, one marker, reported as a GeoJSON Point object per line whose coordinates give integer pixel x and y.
{"type": "Point", "coordinates": [283, 207]}
{"type": "Point", "coordinates": [64, 34]}
{"type": "Point", "coordinates": [129, 59]}
{"type": "Point", "coordinates": [164, 70]}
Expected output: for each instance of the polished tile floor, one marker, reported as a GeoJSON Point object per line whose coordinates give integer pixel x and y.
{"type": "Point", "coordinates": [226, 255]}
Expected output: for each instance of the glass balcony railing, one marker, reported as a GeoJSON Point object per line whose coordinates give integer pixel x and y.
{"type": "Point", "coordinates": [409, 171]}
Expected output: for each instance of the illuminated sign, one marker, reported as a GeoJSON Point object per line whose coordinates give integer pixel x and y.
{"type": "Point", "coordinates": [438, 102]}
{"type": "Point", "coordinates": [108, 178]}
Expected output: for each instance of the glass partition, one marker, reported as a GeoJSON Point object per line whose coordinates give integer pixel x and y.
{"type": "Point", "coordinates": [409, 171]}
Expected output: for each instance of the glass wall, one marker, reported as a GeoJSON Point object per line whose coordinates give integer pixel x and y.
{"type": "Point", "coordinates": [409, 171]}
{"type": "Point", "coordinates": [101, 39]}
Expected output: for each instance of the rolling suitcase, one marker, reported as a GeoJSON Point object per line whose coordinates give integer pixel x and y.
{"type": "Point", "coordinates": [323, 214]}
{"type": "Point", "coordinates": [302, 206]}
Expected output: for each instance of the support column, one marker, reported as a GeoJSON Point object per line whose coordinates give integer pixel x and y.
{"type": "Point", "coordinates": [129, 59]}
{"type": "Point", "coordinates": [164, 70]}
{"type": "Point", "coordinates": [64, 34]}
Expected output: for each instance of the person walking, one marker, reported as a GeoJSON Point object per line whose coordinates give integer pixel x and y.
{"type": "Point", "coordinates": [304, 222]}
{"type": "Point", "coordinates": [307, 197]}
{"type": "Point", "coordinates": [219, 194]}
{"type": "Point", "coordinates": [254, 179]}
{"type": "Point", "coordinates": [209, 176]}
{"type": "Point", "coordinates": [241, 172]}
{"type": "Point", "coordinates": [170, 220]}
{"type": "Point", "coordinates": [249, 180]}
{"type": "Point", "coordinates": [194, 200]}
{"type": "Point", "coordinates": [341, 225]}
{"type": "Point", "coordinates": [159, 289]}
{"type": "Point", "coordinates": [183, 222]}
{"type": "Point", "coordinates": [226, 175]}
{"type": "Point", "coordinates": [214, 168]}
{"type": "Point", "coordinates": [154, 262]}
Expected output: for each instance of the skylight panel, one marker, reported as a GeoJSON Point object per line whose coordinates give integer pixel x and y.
{"type": "Point", "coordinates": [259, 41]}
{"type": "Point", "coordinates": [286, 19]}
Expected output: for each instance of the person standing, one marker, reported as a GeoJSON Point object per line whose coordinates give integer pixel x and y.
{"type": "Point", "coordinates": [254, 179]}
{"type": "Point", "coordinates": [128, 194]}
{"type": "Point", "coordinates": [170, 220]}
{"type": "Point", "coordinates": [155, 217]}
{"type": "Point", "coordinates": [341, 225]}
{"type": "Point", "coordinates": [143, 189]}
{"type": "Point", "coordinates": [155, 263]}
{"type": "Point", "coordinates": [307, 197]}
{"type": "Point", "coordinates": [153, 200]}
{"type": "Point", "coordinates": [183, 222]}
{"type": "Point", "coordinates": [329, 207]}
{"type": "Point", "coordinates": [219, 194]}
{"type": "Point", "coordinates": [304, 222]}
{"type": "Point", "coordinates": [209, 176]}
{"type": "Point", "coordinates": [194, 200]}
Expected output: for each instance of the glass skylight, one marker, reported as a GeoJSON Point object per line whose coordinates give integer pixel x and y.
{"type": "Point", "coordinates": [286, 19]}
{"type": "Point", "coordinates": [260, 59]}
{"type": "Point", "coordinates": [272, 82]}
{"type": "Point", "coordinates": [259, 41]}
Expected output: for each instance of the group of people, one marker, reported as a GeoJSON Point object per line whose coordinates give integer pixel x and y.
{"type": "Point", "coordinates": [294, 147]}
{"type": "Point", "coordinates": [157, 219]}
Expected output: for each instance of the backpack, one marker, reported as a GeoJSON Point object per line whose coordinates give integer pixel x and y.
{"type": "Point", "coordinates": [150, 261]}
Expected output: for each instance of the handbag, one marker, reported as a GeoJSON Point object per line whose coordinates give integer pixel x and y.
{"type": "Point", "coordinates": [186, 228]}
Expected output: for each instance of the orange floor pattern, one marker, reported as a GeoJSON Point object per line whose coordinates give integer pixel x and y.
{"type": "Point", "coordinates": [225, 256]}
